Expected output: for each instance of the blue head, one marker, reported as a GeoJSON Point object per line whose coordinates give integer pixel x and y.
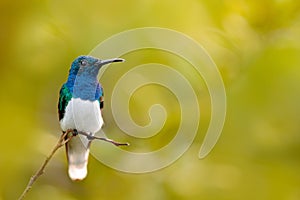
{"type": "Point", "coordinates": [82, 80]}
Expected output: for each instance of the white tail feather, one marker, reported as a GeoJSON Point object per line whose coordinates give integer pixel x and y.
{"type": "Point", "coordinates": [78, 154]}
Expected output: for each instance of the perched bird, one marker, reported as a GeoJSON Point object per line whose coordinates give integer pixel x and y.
{"type": "Point", "coordinates": [79, 108]}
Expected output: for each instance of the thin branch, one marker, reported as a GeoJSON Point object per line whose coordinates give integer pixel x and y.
{"type": "Point", "coordinates": [64, 138]}
{"type": "Point", "coordinates": [90, 137]}
{"type": "Point", "coordinates": [59, 144]}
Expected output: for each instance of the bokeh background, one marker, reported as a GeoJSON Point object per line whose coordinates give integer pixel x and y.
{"type": "Point", "coordinates": [256, 46]}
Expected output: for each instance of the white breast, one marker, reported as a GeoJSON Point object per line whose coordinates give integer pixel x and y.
{"type": "Point", "coordinates": [83, 115]}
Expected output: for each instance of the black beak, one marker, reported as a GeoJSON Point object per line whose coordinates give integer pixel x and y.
{"type": "Point", "coordinates": [104, 62]}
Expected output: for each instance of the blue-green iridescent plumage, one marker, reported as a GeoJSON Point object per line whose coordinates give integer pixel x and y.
{"type": "Point", "coordinates": [65, 96]}
{"type": "Point", "coordinates": [66, 91]}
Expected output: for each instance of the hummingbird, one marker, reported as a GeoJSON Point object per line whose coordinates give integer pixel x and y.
{"type": "Point", "coordinates": [79, 109]}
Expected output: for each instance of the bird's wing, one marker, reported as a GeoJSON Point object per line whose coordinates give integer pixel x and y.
{"type": "Point", "coordinates": [101, 101]}
{"type": "Point", "coordinates": [64, 97]}
{"type": "Point", "coordinates": [100, 95]}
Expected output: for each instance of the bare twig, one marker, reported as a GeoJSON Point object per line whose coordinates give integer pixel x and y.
{"type": "Point", "coordinates": [90, 137]}
{"type": "Point", "coordinates": [64, 138]}
{"type": "Point", "coordinates": [59, 144]}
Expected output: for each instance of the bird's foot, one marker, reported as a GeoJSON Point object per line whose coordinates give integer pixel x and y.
{"type": "Point", "coordinates": [70, 133]}
{"type": "Point", "coordinates": [74, 132]}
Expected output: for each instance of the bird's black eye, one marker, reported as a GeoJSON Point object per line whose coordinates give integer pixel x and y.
{"type": "Point", "coordinates": [83, 62]}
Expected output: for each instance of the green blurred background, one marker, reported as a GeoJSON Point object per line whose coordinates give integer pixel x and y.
{"type": "Point", "coordinates": [256, 46]}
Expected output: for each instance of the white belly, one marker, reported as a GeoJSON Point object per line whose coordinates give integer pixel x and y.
{"type": "Point", "coordinates": [83, 115]}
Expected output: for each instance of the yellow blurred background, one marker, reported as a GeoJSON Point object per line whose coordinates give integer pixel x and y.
{"type": "Point", "coordinates": [256, 46]}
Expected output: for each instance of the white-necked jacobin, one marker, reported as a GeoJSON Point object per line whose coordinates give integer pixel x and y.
{"type": "Point", "coordinates": [79, 108]}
